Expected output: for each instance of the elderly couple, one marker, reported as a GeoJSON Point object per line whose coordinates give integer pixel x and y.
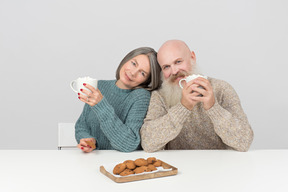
{"type": "Point", "coordinates": [145, 107]}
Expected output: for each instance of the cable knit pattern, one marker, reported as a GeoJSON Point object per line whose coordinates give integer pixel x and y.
{"type": "Point", "coordinates": [223, 126]}
{"type": "Point", "coordinates": [115, 121]}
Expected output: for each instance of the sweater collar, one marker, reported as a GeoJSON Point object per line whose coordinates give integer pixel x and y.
{"type": "Point", "coordinates": [117, 89]}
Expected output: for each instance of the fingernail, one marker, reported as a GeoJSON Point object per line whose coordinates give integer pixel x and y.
{"type": "Point", "coordinates": [78, 93]}
{"type": "Point", "coordinates": [81, 89]}
{"type": "Point", "coordinates": [78, 97]}
{"type": "Point", "coordinates": [84, 84]}
{"type": "Point", "coordinates": [82, 147]}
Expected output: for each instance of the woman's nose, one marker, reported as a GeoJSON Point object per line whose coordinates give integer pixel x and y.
{"type": "Point", "coordinates": [133, 72]}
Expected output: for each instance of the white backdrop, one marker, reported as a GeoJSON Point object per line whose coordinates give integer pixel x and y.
{"type": "Point", "coordinates": [46, 44]}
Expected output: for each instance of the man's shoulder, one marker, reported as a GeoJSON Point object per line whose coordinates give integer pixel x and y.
{"type": "Point", "coordinates": [156, 94]}
{"type": "Point", "coordinates": [219, 83]}
{"type": "Point", "coordinates": [222, 88]}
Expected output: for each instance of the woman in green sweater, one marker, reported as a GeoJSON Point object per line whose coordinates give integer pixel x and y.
{"type": "Point", "coordinates": [114, 112]}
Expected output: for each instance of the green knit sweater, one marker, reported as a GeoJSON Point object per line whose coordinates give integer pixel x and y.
{"type": "Point", "coordinates": [116, 120]}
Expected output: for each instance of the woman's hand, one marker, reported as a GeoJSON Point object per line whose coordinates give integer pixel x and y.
{"type": "Point", "coordinates": [84, 146]}
{"type": "Point", "coordinates": [93, 97]}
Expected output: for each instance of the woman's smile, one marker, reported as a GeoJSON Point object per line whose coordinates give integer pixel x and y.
{"type": "Point", "coordinates": [127, 77]}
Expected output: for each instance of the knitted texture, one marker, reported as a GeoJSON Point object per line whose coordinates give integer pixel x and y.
{"type": "Point", "coordinates": [223, 126]}
{"type": "Point", "coordinates": [116, 120]}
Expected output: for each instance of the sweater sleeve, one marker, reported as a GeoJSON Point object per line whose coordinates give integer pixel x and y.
{"type": "Point", "coordinates": [229, 120]}
{"type": "Point", "coordinates": [81, 128]}
{"type": "Point", "coordinates": [161, 126]}
{"type": "Point", "coordinates": [123, 136]}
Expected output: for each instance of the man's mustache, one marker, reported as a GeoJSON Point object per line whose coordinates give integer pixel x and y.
{"type": "Point", "coordinates": [172, 78]}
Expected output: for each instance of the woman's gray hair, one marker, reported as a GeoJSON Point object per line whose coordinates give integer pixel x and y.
{"type": "Point", "coordinates": [154, 80]}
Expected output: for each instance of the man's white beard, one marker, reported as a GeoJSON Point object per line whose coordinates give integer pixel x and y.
{"type": "Point", "coordinates": [172, 92]}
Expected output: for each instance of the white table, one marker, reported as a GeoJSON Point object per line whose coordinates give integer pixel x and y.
{"type": "Point", "coordinates": [206, 170]}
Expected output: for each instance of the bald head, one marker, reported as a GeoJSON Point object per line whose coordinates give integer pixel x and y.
{"type": "Point", "coordinates": [174, 56]}
{"type": "Point", "coordinates": [172, 45]}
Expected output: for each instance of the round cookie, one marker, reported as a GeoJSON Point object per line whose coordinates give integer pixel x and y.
{"type": "Point", "coordinates": [151, 160]}
{"type": "Point", "coordinates": [126, 172]}
{"type": "Point", "coordinates": [152, 167]}
{"type": "Point", "coordinates": [140, 162]}
{"type": "Point", "coordinates": [119, 168]}
{"type": "Point", "coordinates": [130, 164]}
{"type": "Point", "coordinates": [141, 169]}
{"type": "Point", "coordinates": [158, 163]}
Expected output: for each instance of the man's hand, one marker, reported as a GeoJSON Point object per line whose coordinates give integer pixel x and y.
{"type": "Point", "coordinates": [205, 90]}
{"type": "Point", "coordinates": [188, 95]}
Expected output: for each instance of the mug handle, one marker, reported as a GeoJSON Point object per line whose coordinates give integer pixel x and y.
{"type": "Point", "coordinates": [72, 86]}
{"type": "Point", "coordinates": [180, 83]}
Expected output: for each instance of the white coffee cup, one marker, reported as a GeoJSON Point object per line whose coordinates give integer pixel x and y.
{"type": "Point", "coordinates": [77, 84]}
{"type": "Point", "coordinates": [190, 78]}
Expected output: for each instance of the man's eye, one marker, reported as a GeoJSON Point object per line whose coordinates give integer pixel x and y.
{"type": "Point", "coordinates": [178, 61]}
{"type": "Point", "coordinates": [165, 67]}
{"type": "Point", "coordinates": [133, 63]}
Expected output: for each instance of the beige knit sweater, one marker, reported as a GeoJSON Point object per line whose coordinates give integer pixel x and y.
{"type": "Point", "coordinates": [223, 126]}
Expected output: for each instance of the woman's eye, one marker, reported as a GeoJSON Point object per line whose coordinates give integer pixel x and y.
{"type": "Point", "coordinates": [133, 63]}
{"type": "Point", "coordinates": [143, 74]}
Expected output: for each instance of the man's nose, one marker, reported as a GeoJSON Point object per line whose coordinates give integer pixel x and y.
{"type": "Point", "coordinates": [174, 69]}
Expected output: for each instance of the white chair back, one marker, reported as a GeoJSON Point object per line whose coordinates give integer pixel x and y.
{"type": "Point", "coordinates": [66, 136]}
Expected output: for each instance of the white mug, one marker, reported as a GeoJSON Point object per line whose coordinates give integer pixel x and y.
{"type": "Point", "coordinates": [190, 78]}
{"type": "Point", "coordinates": [77, 84]}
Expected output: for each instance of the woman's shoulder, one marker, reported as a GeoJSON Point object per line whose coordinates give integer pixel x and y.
{"type": "Point", "coordinates": [141, 93]}
{"type": "Point", "coordinates": [105, 83]}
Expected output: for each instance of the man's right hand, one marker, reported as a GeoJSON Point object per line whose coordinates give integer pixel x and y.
{"type": "Point", "coordinates": [187, 95]}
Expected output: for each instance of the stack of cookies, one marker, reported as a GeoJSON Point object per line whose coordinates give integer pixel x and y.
{"type": "Point", "coordinates": [138, 166]}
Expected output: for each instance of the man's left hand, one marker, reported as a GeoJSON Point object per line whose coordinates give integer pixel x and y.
{"type": "Point", "coordinates": [206, 90]}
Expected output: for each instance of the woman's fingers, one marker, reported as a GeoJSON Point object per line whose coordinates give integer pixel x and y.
{"type": "Point", "coordinates": [86, 92]}
{"type": "Point", "coordinates": [90, 87]}
{"type": "Point", "coordinates": [91, 98]}
{"type": "Point", "coordinates": [83, 98]}
{"type": "Point", "coordinates": [84, 146]}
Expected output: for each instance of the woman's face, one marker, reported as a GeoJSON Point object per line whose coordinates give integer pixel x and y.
{"type": "Point", "coordinates": [134, 72]}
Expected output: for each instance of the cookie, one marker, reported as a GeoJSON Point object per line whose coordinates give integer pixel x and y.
{"type": "Point", "coordinates": [158, 163]}
{"type": "Point", "coordinates": [152, 167]}
{"type": "Point", "coordinates": [141, 169]}
{"type": "Point", "coordinates": [90, 143]}
{"type": "Point", "coordinates": [127, 172]}
{"type": "Point", "coordinates": [151, 160]}
{"type": "Point", "coordinates": [140, 162]}
{"type": "Point", "coordinates": [130, 164]}
{"type": "Point", "coordinates": [119, 168]}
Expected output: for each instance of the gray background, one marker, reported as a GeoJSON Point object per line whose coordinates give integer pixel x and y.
{"type": "Point", "coordinates": [46, 44]}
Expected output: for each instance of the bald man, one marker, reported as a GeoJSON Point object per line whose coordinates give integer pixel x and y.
{"type": "Point", "coordinates": [182, 119]}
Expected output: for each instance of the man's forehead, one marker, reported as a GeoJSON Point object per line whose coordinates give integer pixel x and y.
{"type": "Point", "coordinates": [168, 56]}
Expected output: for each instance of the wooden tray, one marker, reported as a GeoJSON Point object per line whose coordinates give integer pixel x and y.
{"type": "Point", "coordinates": [136, 177]}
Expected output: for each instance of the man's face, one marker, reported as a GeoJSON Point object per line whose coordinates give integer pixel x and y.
{"type": "Point", "coordinates": [176, 63]}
